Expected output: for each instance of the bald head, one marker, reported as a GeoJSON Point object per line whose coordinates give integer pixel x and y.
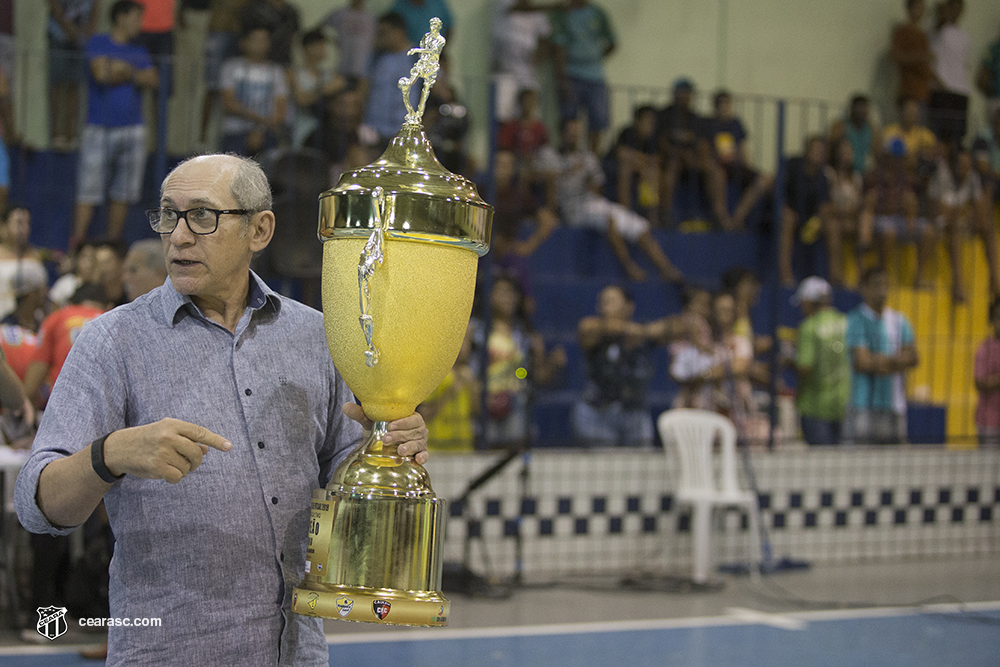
{"type": "Point", "coordinates": [247, 181]}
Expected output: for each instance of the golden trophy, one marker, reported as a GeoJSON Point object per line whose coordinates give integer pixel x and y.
{"type": "Point", "coordinates": [402, 238]}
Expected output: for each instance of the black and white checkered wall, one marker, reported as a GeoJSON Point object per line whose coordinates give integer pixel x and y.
{"type": "Point", "coordinates": [584, 512]}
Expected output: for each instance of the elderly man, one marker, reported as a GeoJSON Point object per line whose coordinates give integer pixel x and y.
{"type": "Point", "coordinates": [145, 268]}
{"type": "Point", "coordinates": [205, 413]}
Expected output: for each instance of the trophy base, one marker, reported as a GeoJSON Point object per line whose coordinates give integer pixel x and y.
{"type": "Point", "coordinates": [373, 605]}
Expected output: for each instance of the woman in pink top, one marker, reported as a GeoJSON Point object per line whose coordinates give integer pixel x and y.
{"type": "Point", "coordinates": [987, 372]}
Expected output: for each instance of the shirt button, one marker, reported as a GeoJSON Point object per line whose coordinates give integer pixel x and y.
{"type": "Point", "coordinates": [274, 500]}
{"type": "Point", "coordinates": [281, 557]}
{"type": "Point", "coordinates": [260, 445]}
{"type": "Point", "coordinates": [247, 391]}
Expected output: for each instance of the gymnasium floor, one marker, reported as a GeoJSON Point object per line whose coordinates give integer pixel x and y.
{"type": "Point", "coordinates": [939, 613]}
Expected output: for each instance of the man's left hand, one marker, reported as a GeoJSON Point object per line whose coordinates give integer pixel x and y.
{"type": "Point", "coordinates": [408, 434]}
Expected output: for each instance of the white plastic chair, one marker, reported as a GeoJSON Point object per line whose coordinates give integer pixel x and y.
{"type": "Point", "coordinates": [692, 435]}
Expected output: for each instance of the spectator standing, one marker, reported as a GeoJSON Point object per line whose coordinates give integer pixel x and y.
{"type": "Point", "coordinates": [520, 35]}
{"type": "Point", "coordinates": [355, 27]}
{"type": "Point", "coordinates": [113, 154]}
{"type": "Point", "coordinates": [880, 343]}
{"type": "Point", "coordinates": [221, 44]}
{"type": "Point", "coordinates": [860, 131]}
{"type": "Point", "coordinates": [613, 410]}
{"type": "Point", "coordinates": [727, 141]}
{"type": "Point", "coordinates": [821, 362]}
{"type": "Point", "coordinates": [254, 97]}
{"type": "Point", "coordinates": [574, 177]}
{"type": "Point", "coordinates": [807, 211]}
{"type": "Point", "coordinates": [312, 83]}
{"type": "Point", "coordinates": [987, 377]}
{"type": "Point", "coordinates": [109, 261]}
{"type": "Point", "coordinates": [635, 163]}
{"type": "Point", "coordinates": [582, 37]}
{"type": "Point", "coordinates": [952, 46]}
{"type": "Point", "coordinates": [71, 24]}
{"type": "Point", "coordinates": [962, 206]}
{"type": "Point", "coordinates": [385, 110]}
{"type": "Point", "coordinates": [158, 21]}
{"type": "Point", "coordinates": [417, 15]}
{"type": "Point", "coordinates": [281, 20]}
{"type": "Point", "coordinates": [911, 51]}
{"type": "Point", "coordinates": [988, 78]}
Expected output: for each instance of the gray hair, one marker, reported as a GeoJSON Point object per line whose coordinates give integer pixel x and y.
{"type": "Point", "coordinates": [151, 251]}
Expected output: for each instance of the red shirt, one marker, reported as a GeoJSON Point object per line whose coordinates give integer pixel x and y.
{"type": "Point", "coordinates": [988, 363]}
{"type": "Point", "coordinates": [522, 137]}
{"type": "Point", "coordinates": [18, 346]}
{"type": "Point", "coordinates": [57, 334]}
{"type": "Point", "coordinates": [159, 15]}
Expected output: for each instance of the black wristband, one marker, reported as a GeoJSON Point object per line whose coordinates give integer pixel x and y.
{"type": "Point", "coordinates": [97, 461]}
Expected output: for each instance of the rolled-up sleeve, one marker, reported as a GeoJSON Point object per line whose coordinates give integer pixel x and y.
{"type": "Point", "coordinates": [87, 402]}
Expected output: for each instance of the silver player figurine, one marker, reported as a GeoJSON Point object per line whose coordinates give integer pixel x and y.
{"type": "Point", "coordinates": [425, 68]}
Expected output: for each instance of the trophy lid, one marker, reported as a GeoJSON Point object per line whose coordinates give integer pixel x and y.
{"type": "Point", "coordinates": [426, 201]}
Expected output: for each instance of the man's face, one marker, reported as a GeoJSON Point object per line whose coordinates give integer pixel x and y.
{"type": "Point", "coordinates": [724, 108]}
{"type": "Point", "coordinates": [130, 23]}
{"type": "Point", "coordinates": [19, 226]}
{"type": "Point", "coordinates": [859, 113]}
{"type": "Point", "coordinates": [109, 265]}
{"type": "Point", "coordinates": [209, 266]}
{"type": "Point", "coordinates": [724, 311]}
{"type": "Point", "coordinates": [315, 52]}
{"type": "Point", "coordinates": [875, 292]}
{"type": "Point", "coordinates": [682, 96]}
{"type": "Point", "coordinates": [256, 44]}
{"type": "Point", "coordinates": [612, 304]}
{"type": "Point", "coordinates": [571, 133]}
{"type": "Point", "coordinates": [138, 276]}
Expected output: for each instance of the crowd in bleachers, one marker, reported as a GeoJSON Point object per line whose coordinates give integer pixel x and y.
{"type": "Point", "coordinates": [269, 84]}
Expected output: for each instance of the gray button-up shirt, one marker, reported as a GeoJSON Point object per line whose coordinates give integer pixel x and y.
{"type": "Point", "coordinates": [214, 557]}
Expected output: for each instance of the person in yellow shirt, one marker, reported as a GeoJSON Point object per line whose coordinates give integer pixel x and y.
{"type": "Point", "coordinates": [451, 409]}
{"type": "Point", "coordinates": [921, 144]}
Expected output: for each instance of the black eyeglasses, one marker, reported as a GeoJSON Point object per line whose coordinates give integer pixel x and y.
{"type": "Point", "coordinates": [199, 220]}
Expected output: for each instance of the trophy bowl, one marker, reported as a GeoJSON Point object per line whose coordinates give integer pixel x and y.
{"type": "Point", "coordinates": [402, 238]}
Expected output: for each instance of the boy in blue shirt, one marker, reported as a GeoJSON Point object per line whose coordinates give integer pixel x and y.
{"type": "Point", "coordinates": [113, 149]}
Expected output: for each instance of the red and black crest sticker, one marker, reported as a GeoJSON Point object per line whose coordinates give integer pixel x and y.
{"type": "Point", "coordinates": [381, 608]}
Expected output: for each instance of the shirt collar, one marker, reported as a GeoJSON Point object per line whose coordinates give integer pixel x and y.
{"type": "Point", "coordinates": [870, 312]}
{"type": "Point", "coordinates": [261, 297]}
